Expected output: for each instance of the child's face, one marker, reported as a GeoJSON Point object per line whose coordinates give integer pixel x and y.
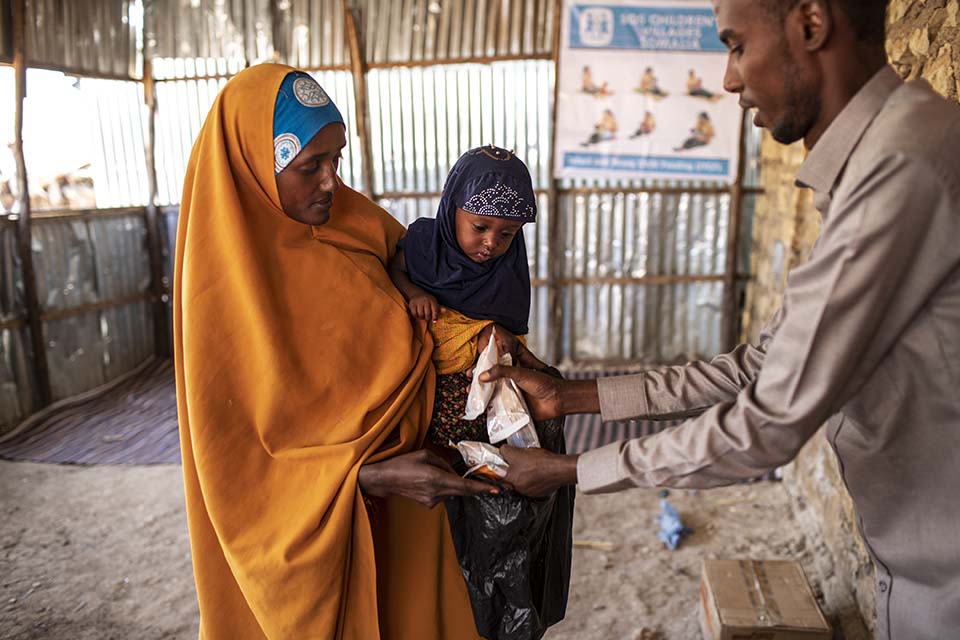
{"type": "Point", "coordinates": [484, 238]}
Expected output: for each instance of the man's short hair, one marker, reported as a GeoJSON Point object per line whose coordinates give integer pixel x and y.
{"type": "Point", "coordinates": [867, 18]}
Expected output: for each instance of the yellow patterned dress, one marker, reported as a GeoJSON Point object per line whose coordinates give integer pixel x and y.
{"type": "Point", "coordinates": [455, 352]}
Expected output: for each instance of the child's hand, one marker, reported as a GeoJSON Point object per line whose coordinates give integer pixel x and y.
{"type": "Point", "coordinates": [425, 307]}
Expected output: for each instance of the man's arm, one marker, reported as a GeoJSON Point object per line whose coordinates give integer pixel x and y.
{"type": "Point", "coordinates": [666, 393]}
{"type": "Point", "coordinates": [886, 248]}
{"type": "Point", "coordinates": [877, 264]}
{"type": "Point", "coordinates": [681, 391]}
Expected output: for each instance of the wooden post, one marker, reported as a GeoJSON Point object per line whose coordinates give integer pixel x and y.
{"type": "Point", "coordinates": [555, 257]}
{"type": "Point", "coordinates": [24, 236]}
{"type": "Point", "coordinates": [731, 332]}
{"type": "Point", "coordinates": [161, 329]}
{"type": "Point", "coordinates": [359, 68]}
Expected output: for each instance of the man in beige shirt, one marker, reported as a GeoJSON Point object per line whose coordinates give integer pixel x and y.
{"type": "Point", "coordinates": [867, 339]}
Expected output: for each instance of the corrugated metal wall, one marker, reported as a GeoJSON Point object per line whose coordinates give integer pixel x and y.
{"type": "Point", "coordinates": [120, 178]}
{"type": "Point", "coordinates": [83, 262]}
{"type": "Point", "coordinates": [636, 270]}
{"type": "Point", "coordinates": [613, 238]}
{"type": "Point", "coordinates": [423, 118]}
{"type": "Point", "coordinates": [425, 30]}
{"type": "Point", "coordinates": [88, 36]}
{"type": "Point", "coordinates": [235, 30]}
{"type": "Point", "coordinates": [17, 398]}
{"type": "Point", "coordinates": [310, 34]}
{"type": "Point", "coordinates": [92, 267]}
{"type": "Point", "coordinates": [622, 298]}
{"type": "Point", "coordinates": [6, 32]}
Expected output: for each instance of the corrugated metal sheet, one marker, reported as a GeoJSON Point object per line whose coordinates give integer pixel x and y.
{"type": "Point", "coordinates": [6, 31]}
{"type": "Point", "coordinates": [610, 238]}
{"type": "Point", "coordinates": [84, 261]}
{"type": "Point", "coordinates": [128, 337]}
{"type": "Point", "coordinates": [119, 155]}
{"type": "Point", "coordinates": [17, 396]}
{"type": "Point", "coordinates": [63, 259]}
{"type": "Point", "coordinates": [423, 118]}
{"type": "Point", "coordinates": [626, 235]}
{"type": "Point", "coordinates": [16, 386]}
{"type": "Point", "coordinates": [235, 30]}
{"type": "Point", "coordinates": [182, 107]}
{"type": "Point", "coordinates": [89, 36]}
{"type": "Point", "coordinates": [310, 33]}
{"type": "Point", "coordinates": [424, 30]}
{"type": "Point", "coordinates": [11, 276]}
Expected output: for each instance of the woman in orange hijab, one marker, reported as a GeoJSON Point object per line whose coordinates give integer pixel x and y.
{"type": "Point", "coordinates": [304, 389]}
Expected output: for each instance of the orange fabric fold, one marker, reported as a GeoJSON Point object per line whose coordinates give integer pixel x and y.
{"type": "Point", "coordinates": [297, 363]}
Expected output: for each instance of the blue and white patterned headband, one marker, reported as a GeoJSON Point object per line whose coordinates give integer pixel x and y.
{"type": "Point", "coordinates": [301, 110]}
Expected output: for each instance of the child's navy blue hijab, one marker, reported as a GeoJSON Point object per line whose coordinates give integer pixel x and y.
{"type": "Point", "coordinates": [486, 181]}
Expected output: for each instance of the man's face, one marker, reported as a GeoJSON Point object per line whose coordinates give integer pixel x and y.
{"type": "Point", "coordinates": [764, 67]}
{"type": "Point", "coordinates": [306, 186]}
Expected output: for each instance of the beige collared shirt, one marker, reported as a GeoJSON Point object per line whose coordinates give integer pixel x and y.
{"type": "Point", "coordinates": [868, 337]}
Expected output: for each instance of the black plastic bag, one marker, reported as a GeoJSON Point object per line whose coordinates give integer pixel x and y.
{"type": "Point", "coordinates": [515, 555]}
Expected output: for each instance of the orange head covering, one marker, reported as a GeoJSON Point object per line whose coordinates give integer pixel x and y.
{"type": "Point", "coordinates": [296, 363]}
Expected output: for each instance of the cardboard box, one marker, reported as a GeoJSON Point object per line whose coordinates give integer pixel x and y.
{"type": "Point", "coordinates": [759, 600]}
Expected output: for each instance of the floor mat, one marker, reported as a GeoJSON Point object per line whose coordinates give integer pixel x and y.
{"type": "Point", "coordinates": [132, 420]}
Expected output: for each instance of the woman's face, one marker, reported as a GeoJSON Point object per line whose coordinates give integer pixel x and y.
{"type": "Point", "coordinates": [306, 185]}
{"type": "Point", "coordinates": [484, 238]}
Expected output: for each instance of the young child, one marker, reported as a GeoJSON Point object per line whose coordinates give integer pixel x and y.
{"type": "Point", "coordinates": [465, 272]}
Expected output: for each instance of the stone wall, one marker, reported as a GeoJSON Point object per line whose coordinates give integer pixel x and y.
{"type": "Point", "coordinates": [923, 42]}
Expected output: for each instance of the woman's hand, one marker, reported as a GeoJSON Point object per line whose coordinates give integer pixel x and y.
{"type": "Point", "coordinates": [425, 307]}
{"type": "Point", "coordinates": [421, 476]}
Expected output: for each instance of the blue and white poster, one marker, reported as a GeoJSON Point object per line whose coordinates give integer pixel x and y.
{"type": "Point", "coordinates": [640, 93]}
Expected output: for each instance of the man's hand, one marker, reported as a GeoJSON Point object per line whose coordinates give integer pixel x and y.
{"type": "Point", "coordinates": [537, 472]}
{"type": "Point", "coordinates": [425, 307]}
{"type": "Point", "coordinates": [421, 476]}
{"type": "Point", "coordinates": [543, 392]}
{"type": "Point", "coordinates": [549, 397]}
{"type": "Point", "coordinates": [506, 341]}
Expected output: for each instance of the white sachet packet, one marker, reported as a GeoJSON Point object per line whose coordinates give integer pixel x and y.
{"type": "Point", "coordinates": [482, 459]}
{"type": "Point", "coordinates": [481, 392]}
{"type": "Point", "coordinates": [509, 418]}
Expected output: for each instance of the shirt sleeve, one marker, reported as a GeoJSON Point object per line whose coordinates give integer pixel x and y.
{"type": "Point", "coordinates": [885, 237]}
{"type": "Point", "coordinates": [687, 390]}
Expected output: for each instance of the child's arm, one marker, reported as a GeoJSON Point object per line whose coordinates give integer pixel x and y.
{"type": "Point", "coordinates": [421, 304]}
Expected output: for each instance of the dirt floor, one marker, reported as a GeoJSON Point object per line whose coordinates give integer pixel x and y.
{"type": "Point", "coordinates": [101, 552]}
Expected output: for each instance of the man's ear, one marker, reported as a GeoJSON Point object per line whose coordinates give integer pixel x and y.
{"type": "Point", "coordinates": [816, 22]}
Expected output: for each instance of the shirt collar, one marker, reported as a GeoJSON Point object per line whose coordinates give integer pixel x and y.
{"type": "Point", "coordinates": [826, 160]}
